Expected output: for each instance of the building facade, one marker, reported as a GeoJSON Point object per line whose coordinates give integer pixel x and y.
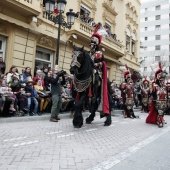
{"type": "Point", "coordinates": [155, 36]}
{"type": "Point", "coordinates": [29, 39]}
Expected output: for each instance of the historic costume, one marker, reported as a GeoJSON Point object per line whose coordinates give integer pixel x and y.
{"type": "Point", "coordinates": [168, 97]}
{"type": "Point", "coordinates": [127, 94]}
{"type": "Point", "coordinates": [99, 78]}
{"type": "Point", "coordinates": [159, 99]}
{"type": "Point", "coordinates": [145, 92]}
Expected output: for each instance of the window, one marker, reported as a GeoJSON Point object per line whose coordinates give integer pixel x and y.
{"type": "Point", "coordinates": [157, 47]}
{"type": "Point", "coordinates": [127, 43]}
{"type": "Point", "coordinates": [146, 38]}
{"type": "Point", "coordinates": [158, 7]}
{"type": "Point", "coordinates": [145, 48]}
{"type": "Point", "coordinates": [84, 12]}
{"type": "Point", "coordinates": [133, 43]}
{"type": "Point", "coordinates": [43, 58]}
{"type": "Point", "coordinates": [146, 9]}
{"type": "Point", "coordinates": [157, 27]}
{"type": "Point", "coordinates": [128, 34]}
{"type": "Point", "coordinates": [2, 47]}
{"type": "Point", "coordinates": [157, 37]}
{"type": "Point", "coordinates": [157, 58]}
{"type": "Point", "coordinates": [146, 18]}
{"type": "Point", "coordinates": [157, 17]}
{"type": "Point", "coordinates": [145, 68]}
{"type": "Point", "coordinates": [108, 26]}
{"type": "Point", "coordinates": [169, 69]}
{"type": "Point", "coordinates": [146, 28]}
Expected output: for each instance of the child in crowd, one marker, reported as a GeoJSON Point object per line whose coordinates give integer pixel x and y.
{"type": "Point", "coordinates": [31, 96]}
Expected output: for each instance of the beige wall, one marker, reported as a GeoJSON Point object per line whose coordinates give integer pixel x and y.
{"type": "Point", "coordinates": [24, 36]}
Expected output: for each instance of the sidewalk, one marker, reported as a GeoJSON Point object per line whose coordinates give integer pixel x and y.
{"type": "Point", "coordinates": [47, 116]}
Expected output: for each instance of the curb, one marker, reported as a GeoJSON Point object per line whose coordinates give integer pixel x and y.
{"type": "Point", "coordinates": [47, 117]}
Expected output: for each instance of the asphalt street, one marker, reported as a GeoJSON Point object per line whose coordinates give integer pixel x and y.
{"type": "Point", "coordinates": [128, 144]}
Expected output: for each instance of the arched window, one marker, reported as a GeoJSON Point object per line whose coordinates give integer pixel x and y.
{"type": "Point", "coordinates": [128, 39]}
{"type": "Point", "coordinates": [133, 43]}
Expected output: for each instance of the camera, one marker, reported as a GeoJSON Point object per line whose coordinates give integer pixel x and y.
{"type": "Point", "coordinates": [61, 73]}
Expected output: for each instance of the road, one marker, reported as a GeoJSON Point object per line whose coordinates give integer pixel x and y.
{"type": "Point", "coordinates": [128, 144]}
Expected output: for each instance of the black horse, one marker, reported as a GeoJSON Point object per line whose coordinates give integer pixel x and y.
{"type": "Point", "coordinates": [82, 69]}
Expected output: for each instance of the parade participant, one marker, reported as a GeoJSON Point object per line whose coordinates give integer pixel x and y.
{"type": "Point", "coordinates": [145, 92]}
{"type": "Point", "coordinates": [168, 97]}
{"type": "Point", "coordinates": [159, 103]}
{"type": "Point", "coordinates": [127, 94]}
{"type": "Point", "coordinates": [100, 77]}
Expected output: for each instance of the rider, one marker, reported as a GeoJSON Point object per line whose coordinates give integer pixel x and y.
{"type": "Point", "coordinates": [100, 75]}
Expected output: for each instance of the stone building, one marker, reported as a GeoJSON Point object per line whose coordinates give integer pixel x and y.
{"type": "Point", "coordinates": [28, 38]}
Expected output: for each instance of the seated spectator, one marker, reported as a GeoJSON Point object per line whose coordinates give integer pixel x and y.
{"type": "Point", "coordinates": [43, 96]}
{"type": "Point", "coordinates": [21, 99]}
{"type": "Point", "coordinates": [6, 95]}
{"type": "Point", "coordinates": [31, 96]}
{"type": "Point", "coordinates": [12, 71]}
{"type": "Point", "coordinates": [26, 74]}
{"type": "Point", "coordinates": [39, 77]}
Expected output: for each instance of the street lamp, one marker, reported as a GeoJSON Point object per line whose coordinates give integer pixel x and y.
{"type": "Point", "coordinates": [49, 7]}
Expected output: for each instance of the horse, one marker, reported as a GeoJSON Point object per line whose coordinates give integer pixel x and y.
{"type": "Point", "coordinates": [82, 68]}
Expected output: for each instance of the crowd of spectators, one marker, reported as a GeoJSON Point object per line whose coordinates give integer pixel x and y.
{"type": "Point", "coordinates": [27, 94]}
{"type": "Point", "coordinates": [90, 21]}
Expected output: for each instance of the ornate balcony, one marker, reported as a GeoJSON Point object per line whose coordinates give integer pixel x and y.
{"type": "Point", "coordinates": [23, 7]}
{"type": "Point", "coordinates": [84, 32]}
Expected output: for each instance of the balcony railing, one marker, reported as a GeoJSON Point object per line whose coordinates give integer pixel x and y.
{"type": "Point", "coordinates": [85, 29]}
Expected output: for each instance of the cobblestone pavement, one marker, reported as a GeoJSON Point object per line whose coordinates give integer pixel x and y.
{"type": "Point", "coordinates": [44, 145]}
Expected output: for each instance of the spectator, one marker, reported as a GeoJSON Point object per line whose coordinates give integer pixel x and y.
{"type": "Point", "coordinates": [47, 82]}
{"type": "Point", "coordinates": [12, 71]}
{"type": "Point", "coordinates": [43, 96]}
{"type": "Point", "coordinates": [56, 91]}
{"type": "Point", "coordinates": [31, 96]}
{"type": "Point", "coordinates": [27, 74]}
{"type": "Point", "coordinates": [2, 66]}
{"type": "Point", "coordinates": [21, 99]}
{"type": "Point", "coordinates": [45, 72]}
{"type": "Point", "coordinates": [39, 77]}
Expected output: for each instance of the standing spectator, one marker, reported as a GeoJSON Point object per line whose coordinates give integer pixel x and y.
{"type": "Point", "coordinates": [12, 71]}
{"type": "Point", "coordinates": [26, 74]}
{"type": "Point", "coordinates": [2, 66]}
{"type": "Point", "coordinates": [39, 77]}
{"type": "Point", "coordinates": [47, 81]}
{"type": "Point", "coordinates": [45, 72]}
{"type": "Point", "coordinates": [31, 96]}
{"type": "Point", "coordinates": [57, 80]}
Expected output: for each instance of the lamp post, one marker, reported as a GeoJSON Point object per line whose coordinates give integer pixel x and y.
{"type": "Point", "coordinates": [49, 7]}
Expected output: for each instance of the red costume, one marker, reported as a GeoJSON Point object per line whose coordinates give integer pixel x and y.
{"type": "Point", "coordinates": [145, 92]}
{"type": "Point", "coordinates": [159, 102]}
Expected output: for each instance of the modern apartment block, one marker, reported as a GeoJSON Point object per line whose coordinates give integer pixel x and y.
{"type": "Point", "coordinates": [155, 36]}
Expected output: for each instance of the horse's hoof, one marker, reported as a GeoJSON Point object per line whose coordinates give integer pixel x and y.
{"type": "Point", "coordinates": [77, 126]}
{"type": "Point", "coordinates": [88, 122]}
{"type": "Point", "coordinates": [107, 124]}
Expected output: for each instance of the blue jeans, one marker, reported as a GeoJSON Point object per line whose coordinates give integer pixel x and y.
{"type": "Point", "coordinates": [32, 99]}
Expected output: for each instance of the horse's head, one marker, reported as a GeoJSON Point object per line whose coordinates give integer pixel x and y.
{"type": "Point", "coordinates": [77, 60]}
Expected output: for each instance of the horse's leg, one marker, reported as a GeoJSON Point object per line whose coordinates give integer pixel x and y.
{"type": "Point", "coordinates": [78, 117]}
{"type": "Point", "coordinates": [94, 107]}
